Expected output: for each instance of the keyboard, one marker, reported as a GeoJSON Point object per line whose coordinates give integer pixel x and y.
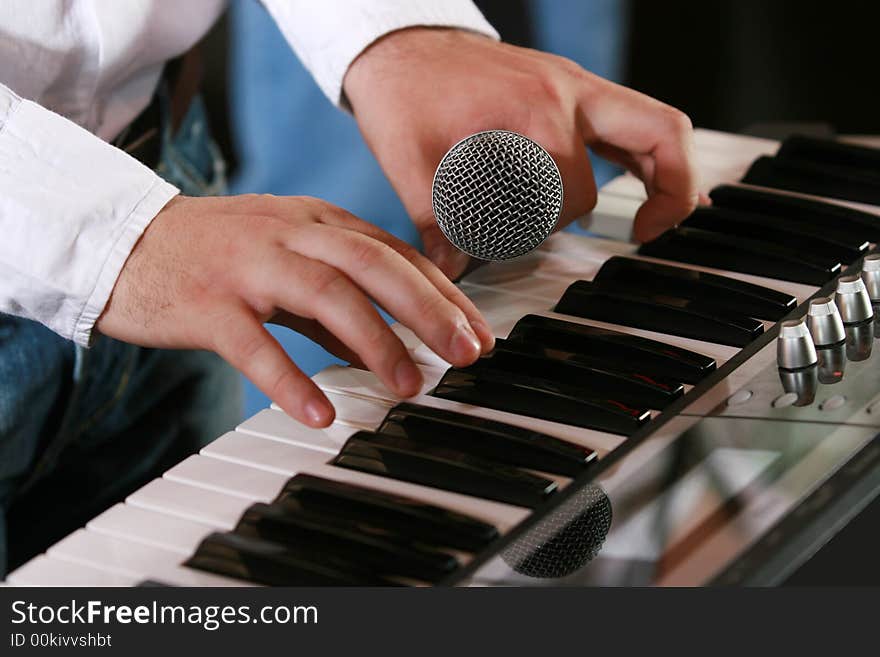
{"type": "Point", "coordinates": [632, 425]}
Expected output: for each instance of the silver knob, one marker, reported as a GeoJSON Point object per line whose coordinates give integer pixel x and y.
{"type": "Point", "coordinates": [871, 275]}
{"type": "Point", "coordinates": [794, 346]}
{"type": "Point", "coordinates": [824, 322]}
{"type": "Point", "coordinates": [852, 300]}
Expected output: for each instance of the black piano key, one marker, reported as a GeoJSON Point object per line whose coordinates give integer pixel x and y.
{"type": "Point", "coordinates": [594, 379]}
{"type": "Point", "coordinates": [712, 289]}
{"type": "Point", "coordinates": [447, 469]}
{"type": "Point", "coordinates": [670, 315]}
{"type": "Point", "coordinates": [628, 352]}
{"type": "Point", "coordinates": [266, 562]}
{"type": "Point", "coordinates": [832, 181]}
{"type": "Point", "coordinates": [742, 254]}
{"type": "Point", "coordinates": [539, 398]}
{"type": "Point", "coordinates": [825, 216]}
{"type": "Point", "coordinates": [787, 232]}
{"type": "Point", "coordinates": [488, 439]}
{"type": "Point", "coordinates": [830, 151]}
{"type": "Point", "coordinates": [292, 525]}
{"type": "Point", "coordinates": [420, 521]}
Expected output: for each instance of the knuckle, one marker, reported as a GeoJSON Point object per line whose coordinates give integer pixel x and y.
{"type": "Point", "coordinates": [323, 280]}
{"type": "Point", "coordinates": [367, 253]}
{"type": "Point", "coordinates": [679, 122]}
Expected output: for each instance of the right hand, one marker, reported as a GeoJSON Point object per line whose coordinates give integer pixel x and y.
{"type": "Point", "coordinates": [208, 272]}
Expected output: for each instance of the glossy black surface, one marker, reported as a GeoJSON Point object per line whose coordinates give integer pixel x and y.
{"type": "Point", "coordinates": [742, 254]}
{"type": "Point", "coordinates": [664, 314]}
{"type": "Point", "coordinates": [721, 292]}
{"type": "Point", "coordinates": [832, 181]}
{"type": "Point", "coordinates": [488, 439]}
{"type": "Point", "coordinates": [828, 216]}
{"type": "Point", "coordinates": [777, 230]}
{"type": "Point", "coordinates": [595, 379]}
{"type": "Point", "coordinates": [419, 521]}
{"type": "Point", "coordinates": [830, 151]}
{"type": "Point", "coordinates": [539, 398]}
{"type": "Point", "coordinates": [630, 353]}
{"type": "Point", "coordinates": [266, 562]}
{"type": "Point", "coordinates": [292, 525]}
{"type": "Point", "coordinates": [446, 469]}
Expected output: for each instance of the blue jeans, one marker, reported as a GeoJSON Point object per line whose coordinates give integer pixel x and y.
{"type": "Point", "coordinates": [81, 428]}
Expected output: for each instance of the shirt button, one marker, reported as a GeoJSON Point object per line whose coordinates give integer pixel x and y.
{"type": "Point", "coordinates": [832, 403]}
{"type": "Point", "coordinates": [739, 397]}
{"type": "Point", "coordinates": [786, 400]}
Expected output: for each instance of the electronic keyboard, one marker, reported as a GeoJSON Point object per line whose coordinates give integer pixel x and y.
{"type": "Point", "coordinates": [650, 415]}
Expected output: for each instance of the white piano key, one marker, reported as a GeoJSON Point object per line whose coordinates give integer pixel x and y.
{"type": "Point", "coordinates": [210, 507]}
{"type": "Point", "coordinates": [113, 554]}
{"type": "Point", "coordinates": [49, 571]}
{"type": "Point", "coordinates": [276, 424]}
{"type": "Point", "coordinates": [612, 217]}
{"type": "Point", "coordinates": [365, 385]}
{"type": "Point", "coordinates": [150, 527]}
{"type": "Point", "coordinates": [291, 460]}
{"type": "Point", "coordinates": [225, 477]}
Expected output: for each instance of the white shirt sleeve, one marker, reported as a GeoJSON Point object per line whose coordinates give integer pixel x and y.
{"type": "Point", "coordinates": [328, 35]}
{"type": "Point", "coordinates": [72, 208]}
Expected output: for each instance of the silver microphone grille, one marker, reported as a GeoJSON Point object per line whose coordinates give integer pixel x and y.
{"type": "Point", "coordinates": [497, 195]}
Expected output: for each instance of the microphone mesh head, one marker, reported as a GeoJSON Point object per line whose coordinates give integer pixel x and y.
{"type": "Point", "coordinates": [497, 195]}
{"type": "Point", "coordinates": [566, 540]}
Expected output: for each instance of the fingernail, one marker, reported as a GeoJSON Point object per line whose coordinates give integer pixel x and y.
{"type": "Point", "coordinates": [407, 378]}
{"type": "Point", "coordinates": [465, 346]}
{"type": "Point", "coordinates": [484, 332]}
{"type": "Point", "coordinates": [318, 413]}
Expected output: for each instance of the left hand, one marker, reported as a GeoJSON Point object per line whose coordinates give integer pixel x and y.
{"type": "Point", "coordinates": [418, 91]}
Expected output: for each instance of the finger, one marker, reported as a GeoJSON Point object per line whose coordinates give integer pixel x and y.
{"type": "Point", "coordinates": [246, 345]}
{"type": "Point", "coordinates": [315, 290]}
{"type": "Point", "coordinates": [642, 126]}
{"type": "Point", "coordinates": [446, 287]}
{"type": "Point", "coordinates": [396, 284]}
{"type": "Point", "coordinates": [318, 334]}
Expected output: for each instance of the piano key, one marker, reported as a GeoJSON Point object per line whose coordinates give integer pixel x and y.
{"type": "Point", "coordinates": [226, 477]}
{"type": "Point", "coordinates": [191, 502]}
{"type": "Point", "coordinates": [292, 460]}
{"type": "Point", "coordinates": [598, 441]}
{"type": "Point", "coordinates": [364, 385]}
{"type": "Point", "coordinates": [751, 256]}
{"type": "Point", "coordinates": [579, 248]}
{"type": "Point", "coordinates": [277, 425]}
{"type": "Point", "coordinates": [711, 289]}
{"type": "Point", "coordinates": [630, 352]}
{"type": "Point", "coordinates": [832, 181]}
{"type": "Point", "coordinates": [357, 542]}
{"type": "Point", "coordinates": [830, 151]}
{"type": "Point", "coordinates": [112, 554]}
{"type": "Point", "coordinates": [150, 527]}
{"type": "Point", "coordinates": [265, 562]}
{"type": "Point", "coordinates": [400, 515]}
{"type": "Point", "coordinates": [596, 379]}
{"type": "Point", "coordinates": [488, 439]}
{"type": "Point", "coordinates": [400, 458]}
{"type": "Point", "coordinates": [49, 571]}
{"type": "Point", "coordinates": [796, 234]}
{"type": "Point", "coordinates": [829, 216]}
{"type": "Point", "coordinates": [666, 315]}
{"type": "Point", "coordinates": [538, 398]}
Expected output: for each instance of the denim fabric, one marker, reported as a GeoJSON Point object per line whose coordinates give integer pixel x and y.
{"type": "Point", "coordinates": [81, 428]}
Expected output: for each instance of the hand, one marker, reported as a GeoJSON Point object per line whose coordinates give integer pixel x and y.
{"type": "Point", "coordinates": [418, 91]}
{"type": "Point", "coordinates": [208, 272]}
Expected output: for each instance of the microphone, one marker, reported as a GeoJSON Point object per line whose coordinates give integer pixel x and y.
{"type": "Point", "coordinates": [497, 195]}
{"type": "Point", "coordinates": [566, 540]}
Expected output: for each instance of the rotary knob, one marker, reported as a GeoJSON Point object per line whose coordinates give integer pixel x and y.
{"type": "Point", "coordinates": [871, 275]}
{"type": "Point", "coordinates": [824, 322]}
{"type": "Point", "coordinates": [794, 346]}
{"type": "Point", "coordinates": [852, 300]}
